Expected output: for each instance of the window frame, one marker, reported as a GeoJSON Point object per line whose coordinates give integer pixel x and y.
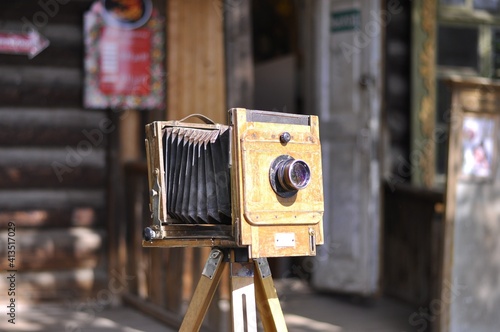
{"type": "Point", "coordinates": [486, 23]}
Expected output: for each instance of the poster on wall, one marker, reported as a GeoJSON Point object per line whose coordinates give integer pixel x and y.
{"type": "Point", "coordinates": [479, 147]}
{"type": "Point", "coordinates": [124, 56]}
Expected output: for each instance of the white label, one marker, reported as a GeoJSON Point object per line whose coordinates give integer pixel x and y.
{"type": "Point", "coordinates": [284, 239]}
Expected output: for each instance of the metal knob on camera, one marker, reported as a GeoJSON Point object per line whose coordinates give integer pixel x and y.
{"type": "Point", "coordinates": [150, 234]}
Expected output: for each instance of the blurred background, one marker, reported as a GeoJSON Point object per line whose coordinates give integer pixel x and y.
{"type": "Point", "coordinates": [406, 231]}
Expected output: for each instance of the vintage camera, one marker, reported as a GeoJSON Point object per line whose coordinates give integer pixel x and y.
{"type": "Point", "coordinates": [254, 183]}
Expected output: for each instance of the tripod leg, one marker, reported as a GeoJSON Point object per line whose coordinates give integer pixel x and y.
{"type": "Point", "coordinates": [243, 297]}
{"type": "Point", "coordinates": [267, 298]}
{"type": "Point", "coordinates": [204, 292]}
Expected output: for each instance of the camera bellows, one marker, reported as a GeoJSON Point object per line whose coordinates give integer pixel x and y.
{"type": "Point", "coordinates": [197, 175]}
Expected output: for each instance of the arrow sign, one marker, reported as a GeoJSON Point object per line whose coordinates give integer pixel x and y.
{"type": "Point", "coordinates": [30, 43]}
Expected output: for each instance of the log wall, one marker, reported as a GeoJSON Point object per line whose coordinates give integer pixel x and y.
{"type": "Point", "coordinates": [53, 158]}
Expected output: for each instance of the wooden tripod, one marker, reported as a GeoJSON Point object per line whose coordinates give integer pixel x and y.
{"type": "Point", "coordinates": [249, 289]}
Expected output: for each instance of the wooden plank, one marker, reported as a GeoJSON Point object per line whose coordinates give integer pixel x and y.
{"type": "Point", "coordinates": [47, 136]}
{"type": "Point", "coordinates": [267, 300]}
{"type": "Point", "coordinates": [70, 56]}
{"type": "Point", "coordinates": [156, 291]}
{"type": "Point", "coordinates": [40, 86]}
{"type": "Point", "coordinates": [203, 295]}
{"type": "Point", "coordinates": [411, 222]}
{"type": "Point", "coordinates": [54, 249]}
{"type": "Point", "coordinates": [40, 96]}
{"type": "Point", "coordinates": [131, 133]}
{"type": "Point", "coordinates": [32, 176]}
{"type": "Point", "coordinates": [58, 217]}
{"type": "Point", "coordinates": [173, 281]}
{"type": "Point", "coordinates": [195, 60]}
{"type": "Point", "coordinates": [81, 166]}
{"type": "Point", "coordinates": [74, 123]}
{"type": "Point", "coordinates": [70, 156]}
{"type": "Point", "coordinates": [46, 199]}
{"type": "Point", "coordinates": [70, 285]}
{"type": "Point", "coordinates": [239, 60]}
{"type": "Point", "coordinates": [219, 312]}
{"type": "Point", "coordinates": [130, 232]}
{"type": "Point", "coordinates": [31, 13]}
{"type": "Point", "coordinates": [423, 94]}
{"type": "Point", "coordinates": [54, 77]}
{"type": "Point", "coordinates": [469, 224]}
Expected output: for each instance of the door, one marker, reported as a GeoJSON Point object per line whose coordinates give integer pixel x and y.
{"type": "Point", "coordinates": [346, 76]}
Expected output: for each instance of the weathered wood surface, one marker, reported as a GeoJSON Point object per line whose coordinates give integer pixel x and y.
{"type": "Point", "coordinates": [238, 52]}
{"type": "Point", "coordinates": [40, 86]}
{"type": "Point", "coordinates": [53, 157]}
{"type": "Point", "coordinates": [195, 61]}
{"type": "Point", "coordinates": [470, 260]}
{"type": "Point", "coordinates": [54, 218]}
{"type": "Point", "coordinates": [413, 229]}
{"type": "Point", "coordinates": [47, 127]}
{"type": "Point", "coordinates": [26, 176]}
{"type": "Point", "coordinates": [47, 198]}
{"type": "Point", "coordinates": [70, 286]}
{"type": "Point", "coordinates": [42, 167]}
{"type": "Point", "coordinates": [52, 248]}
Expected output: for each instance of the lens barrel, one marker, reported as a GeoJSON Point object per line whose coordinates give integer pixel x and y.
{"type": "Point", "coordinates": [288, 175]}
{"type": "Point", "coordinates": [294, 174]}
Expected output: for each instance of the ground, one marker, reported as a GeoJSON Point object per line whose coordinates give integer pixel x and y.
{"type": "Point", "coordinates": [304, 309]}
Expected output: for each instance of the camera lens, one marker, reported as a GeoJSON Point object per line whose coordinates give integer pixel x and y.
{"type": "Point", "coordinates": [288, 175]}
{"type": "Point", "coordinates": [296, 175]}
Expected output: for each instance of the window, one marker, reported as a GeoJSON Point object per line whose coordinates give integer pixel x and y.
{"type": "Point", "coordinates": [458, 47]}
{"type": "Point", "coordinates": [468, 44]}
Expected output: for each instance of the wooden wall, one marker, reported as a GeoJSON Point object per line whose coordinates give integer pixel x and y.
{"type": "Point", "coordinates": [397, 96]}
{"type": "Point", "coordinates": [413, 226]}
{"type": "Point", "coordinates": [53, 157]}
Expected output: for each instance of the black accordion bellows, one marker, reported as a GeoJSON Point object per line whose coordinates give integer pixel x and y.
{"type": "Point", "coordinates": [198, 185]}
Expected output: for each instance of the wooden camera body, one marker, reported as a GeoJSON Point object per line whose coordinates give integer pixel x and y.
{"type": "Point", "coordinates": [255, 183]}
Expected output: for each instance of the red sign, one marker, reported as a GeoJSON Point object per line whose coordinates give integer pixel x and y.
{"type": "Point", "coordinates": [22, 43]}
{"type": "Point", "coordinates": [125, 61]}
{"type": "Point", "coordinates": [124, 56]}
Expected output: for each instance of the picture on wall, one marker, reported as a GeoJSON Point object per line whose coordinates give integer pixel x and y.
{"type": "Point", "coordinates": [479, 146]}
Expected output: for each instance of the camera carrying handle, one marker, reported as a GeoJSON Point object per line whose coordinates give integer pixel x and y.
{"type": "Point", "coordinates": [201, 117]}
